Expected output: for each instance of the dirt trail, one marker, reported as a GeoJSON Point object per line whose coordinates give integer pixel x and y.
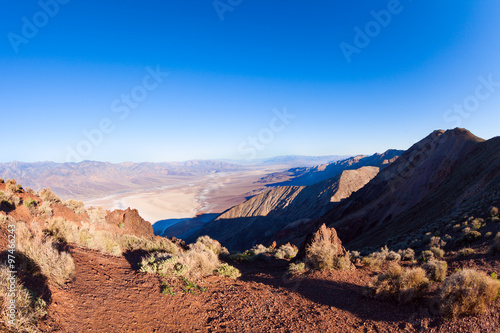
{"type": "Point", "coordinates": [107, 295]}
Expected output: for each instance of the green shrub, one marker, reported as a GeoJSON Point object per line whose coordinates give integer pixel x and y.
{"type": "Point", "coordinates": [295, 268]}
{"type": "Point", "coordinates": [467, 292]}
{"type": "Point", "coordinates": [286, 251]}
{"type": "Point", "coordinates": [436, 270]}
{"type": "Point", "coordinates": [397, 283]}
{"type": "Point", "coordinates": [30, 203]}
{"type": "Point", "coordinates": [228, 271]}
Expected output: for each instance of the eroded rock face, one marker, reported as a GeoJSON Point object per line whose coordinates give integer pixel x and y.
{"type": "Point", "coordinates": [133, 223]}
{"type": "Point", "coordinates": [325, 237]}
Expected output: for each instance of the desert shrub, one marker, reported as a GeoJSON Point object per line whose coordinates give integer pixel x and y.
{"type": "Point", "coordinates": [228, 271]}
{"type": "Point", "coordinates": [467, 292]}
{"type": "Point", "coordinates": [212, 245]}
{"type": "Point", "coordinates": [342, 263]}
{"type": "Point", "coordinates": [393, 256]}
{"type": "Point", "coordinates": [493, 211]}
{"type": "Point", "coordinates": [2, 181]}
{"type": "Point", "coordinates": [436, 270]}
{"type": "Point", "coordinates": [438, 253]}
{"type": "Point", "coordinates": [11, 187]}
{"type": "Point", "coordinates": [77, 206]}
{"type": "Point", "coordinates": [495, 247]}
{"type": "Point", "coordinates": [397, 283]}
{"type": "Point", "coordinates": [488, 234]}
{"type": "Point", "coordinates": [32, 191]}
{"type": "Point", "coordinates": [470, 236]}
{"type": "Point", "coordinates": [260, 249]}
{"type": "Point", "coordinates": [466, 251]}
{"type": "Point", "coordinates": [407, 255]}
{"type": "Point", "coordinates": [198, 261]}
{"type": "Point", "coordinates": [29, 308]}
{"type": "Point", "coordinates": [355, 254]}
{"type": "Point", "coordinates": [47, 195]}
{"type": "Point", "coordinates": [158, 244]}
{"type": "Point", "coordinates": [30, 203]}
{"type": "Point", "coordinates": [286, 251]}
{"type": "Point", "coordinates": [372, 261]}
{"type": "Point", "coordinates": [477, 224]}
{"type": "Point", "coordinates": [436, 242]}
{"type": "Point", "coordinates": [427, 255]}
{"type": "Point", "coordinates": [295, 268]}
{"type": "Point", "coordinates": [62, 230]}
{"type": "Point", "coordinates": [45, 209]}
{"type": "Point", "coordinates": [8, 198]}
{"type": "Point", "coordinates": [56, 266]}
{"type": "Point", "coordinates": [97, 215]}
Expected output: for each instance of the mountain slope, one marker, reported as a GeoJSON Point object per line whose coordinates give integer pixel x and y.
{"type": "Point", "coordinates": [259, 218]}
{"type": "Point", "coordinates": [427, 182]}
{"type": "Point", "coordinates": [312, 175]}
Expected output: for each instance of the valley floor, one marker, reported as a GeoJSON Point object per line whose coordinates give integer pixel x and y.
{"type": "Point", "coordinates": [109, 295]}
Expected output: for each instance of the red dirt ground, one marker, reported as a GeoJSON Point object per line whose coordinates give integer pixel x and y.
{"type": "Point", "coordinates": [108, 295]}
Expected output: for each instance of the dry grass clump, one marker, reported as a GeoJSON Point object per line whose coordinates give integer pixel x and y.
{"type": "Point", "coordinates": [407, 255]}
{"type": "Point", "coordinates": [28, 308]}
{"type": "Point", "coordinates": [47, 195]}
{"type": "Point", "coordinates": [134, 243]}
{"type": "Point", "coordinates": [286, 251]}
{"type": "Point", "coordinates": [437, 252]}
{"type": "Point", "coordinates": [9, 199]}
{"type": "Point", "coordinates": [97, 215]}
{"type": "Point", "coordinates": [212, 245]}
{"type": "Point", "coordinates": [467, 292]}
{"type": "Point", "coordinates": [57, 267]}
{"type": "Point", "coordinates": [77, 206]}
{"type": "Point", "coordinates": [323, 254]}
{"type": "Point", "coordinates": [397, 283]}
{"type": "Point", "coordinates": [45, 209]}
{"type": "Point", "coordinates": [436, 270]}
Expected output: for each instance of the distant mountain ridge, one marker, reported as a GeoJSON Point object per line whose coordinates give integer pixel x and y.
{"type": "Point", "coordinates": [313, 175]}
{"type": "Point", "coordinates": [87, 177]}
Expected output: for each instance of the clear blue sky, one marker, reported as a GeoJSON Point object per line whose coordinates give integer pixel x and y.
{"type": "Point", "coordinates": [227, 76]}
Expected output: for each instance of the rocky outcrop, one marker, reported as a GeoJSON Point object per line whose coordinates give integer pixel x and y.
{"type": "Point", "coordinates": [130, 222]}
{"type": "Point", "coordinates": [325, 236]}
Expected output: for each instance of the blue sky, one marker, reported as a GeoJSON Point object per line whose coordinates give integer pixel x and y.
{"type": "Point", "coordinates": [66, 66]}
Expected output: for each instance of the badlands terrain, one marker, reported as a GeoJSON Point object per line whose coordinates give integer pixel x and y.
{"type": "Point", "coordinates": [399, 241]}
